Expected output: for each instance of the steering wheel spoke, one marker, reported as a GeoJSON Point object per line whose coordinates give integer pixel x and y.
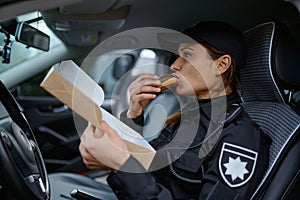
{"type": "Point", "coordinates": [24, 171]}
{"type": "Point", "coordinates": [36, 184]}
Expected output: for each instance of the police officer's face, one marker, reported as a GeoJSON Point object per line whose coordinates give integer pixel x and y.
{"type": "Point", "coordinates": [196, 71]}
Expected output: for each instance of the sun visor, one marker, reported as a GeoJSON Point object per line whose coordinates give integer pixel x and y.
{"type": "Point", "coordinates": [90, 7]}
{"type": "Point", "coordinates": [85, 29]}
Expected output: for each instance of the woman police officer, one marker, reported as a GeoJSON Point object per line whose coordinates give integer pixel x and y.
{"type": "Point", "coordinates": [229, 166]}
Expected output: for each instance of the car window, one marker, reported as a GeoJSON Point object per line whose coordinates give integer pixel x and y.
{"type": "Point", "coordinates": [31, 87]}
{"type": "Point", "coordinates": [19, 52]}
{"type": "Point", "coordinates": [123, 64]}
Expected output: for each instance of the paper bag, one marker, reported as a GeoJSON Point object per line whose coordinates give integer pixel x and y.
{"type": "Point", "coordinates": [72, 86]}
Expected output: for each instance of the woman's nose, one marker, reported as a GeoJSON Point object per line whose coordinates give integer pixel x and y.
{"type": "Point", "coordinates": [176, 66]}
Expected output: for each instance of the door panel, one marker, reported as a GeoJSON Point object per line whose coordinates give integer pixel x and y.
{"type": "Point", "coordinates": [54, 128]}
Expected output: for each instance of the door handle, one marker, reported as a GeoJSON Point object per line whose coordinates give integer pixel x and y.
{"type": "Point", "coordinates": [59, 108]}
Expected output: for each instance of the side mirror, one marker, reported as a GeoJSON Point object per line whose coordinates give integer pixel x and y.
{"type": "Point", "coordinates": [32, 37]}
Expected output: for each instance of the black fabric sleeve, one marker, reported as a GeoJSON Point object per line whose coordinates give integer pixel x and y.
{"type": "Point", "coordinates": [135, 123]}
{"type": "Point", "coordinates": [136, 184]}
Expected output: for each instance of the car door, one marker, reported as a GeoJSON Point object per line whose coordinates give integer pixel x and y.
{"type": "Point", "coordinates": [53, 125]}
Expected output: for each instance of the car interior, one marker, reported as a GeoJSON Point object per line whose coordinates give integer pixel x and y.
{"type": "Point", "coordinates": [40, 135]}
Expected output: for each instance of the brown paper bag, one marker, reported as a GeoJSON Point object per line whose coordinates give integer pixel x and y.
{"type": "Point", "coordinates": [72, 86]}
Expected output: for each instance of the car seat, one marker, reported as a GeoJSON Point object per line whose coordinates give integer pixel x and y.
{"type": "Point", "coordinates": [268, 79]}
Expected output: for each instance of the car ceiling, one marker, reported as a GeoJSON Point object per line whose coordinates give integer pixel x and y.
{"type": "Point", "coordinates": [69, 18]}
{"type": "Point", "coordinates": [173, 14]}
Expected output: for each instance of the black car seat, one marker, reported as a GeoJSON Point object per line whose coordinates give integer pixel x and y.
{"type": "Point", "coordinates": [268, 80]}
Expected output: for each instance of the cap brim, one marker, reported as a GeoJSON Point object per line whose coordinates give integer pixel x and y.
{"type": "Point", "coordinates": [171, 41]}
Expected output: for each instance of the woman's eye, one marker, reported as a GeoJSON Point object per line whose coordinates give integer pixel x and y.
{"type": "Point", "coordinates": [186, 55]}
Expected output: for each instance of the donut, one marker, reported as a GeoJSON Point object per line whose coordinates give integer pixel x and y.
{"type": "Point", "coordinates": [167, 81]}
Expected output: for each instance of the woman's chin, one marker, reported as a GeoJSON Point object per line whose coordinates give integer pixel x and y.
{"type": "Point", "coordinates": [184, 91]}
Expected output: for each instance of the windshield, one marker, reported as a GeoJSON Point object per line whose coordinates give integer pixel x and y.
{"type": "Point", "coordinates": [19, 52]}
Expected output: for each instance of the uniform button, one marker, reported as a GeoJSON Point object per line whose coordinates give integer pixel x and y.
{"type": "Point", "coordinates": [176, 156]}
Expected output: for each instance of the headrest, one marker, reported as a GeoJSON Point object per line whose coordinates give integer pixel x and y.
{"type": "Point", "coordinates": [273, 63]}
{"type": "Point", "coordinates": [286, 57]}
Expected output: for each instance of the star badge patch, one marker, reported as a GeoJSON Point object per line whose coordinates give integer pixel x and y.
{"type": "Point", "coordinates": [236, 164]}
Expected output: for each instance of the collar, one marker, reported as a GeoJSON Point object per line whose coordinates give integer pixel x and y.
{"type": "Point", "coordinates": [215, 109]}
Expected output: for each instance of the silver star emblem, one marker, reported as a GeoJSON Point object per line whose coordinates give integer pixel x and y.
{"type": "Point", "coordinates": [236, 168]}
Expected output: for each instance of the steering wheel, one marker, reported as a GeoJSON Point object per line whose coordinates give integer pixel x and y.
{"type": "Point", "coordinates": [21, 164]}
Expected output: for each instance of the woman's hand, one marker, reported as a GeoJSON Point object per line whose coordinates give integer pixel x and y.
{"type": "Point", "coordinates": [142, 90]}
{"type": "Point", "coordinates": [89, 160]}
{"type": "Point", "coordinates": [103, 148]}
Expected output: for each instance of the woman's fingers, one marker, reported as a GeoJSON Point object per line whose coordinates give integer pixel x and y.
{"type": "Point", "coordinates": [145, 89]}
{"type": "Point", "coordinates": [142, 90]}
{"type": "Point", "coordinates": [108, 149]}
{"type": "Point", "coordinates": [114, 137]}
{"type": "Point", "coordinates": [144, 80]}
{"type": "Point", "coordinates": [89, 160]}
{"type": "Point", "coordinates": [146, 77]}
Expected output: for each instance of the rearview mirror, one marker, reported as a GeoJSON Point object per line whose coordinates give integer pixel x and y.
{"type": "Point", "coordinates": [32, 37]}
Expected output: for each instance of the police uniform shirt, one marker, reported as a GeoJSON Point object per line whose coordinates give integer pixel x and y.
{"type": "Point", "coordinates": [231, 169]}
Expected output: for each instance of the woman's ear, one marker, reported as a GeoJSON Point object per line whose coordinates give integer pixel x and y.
{"type": "Point", "coordinates": [223, 63]}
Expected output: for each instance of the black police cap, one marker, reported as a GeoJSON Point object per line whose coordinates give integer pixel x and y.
{"type": "Point", "coordinates": [217, 34]}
